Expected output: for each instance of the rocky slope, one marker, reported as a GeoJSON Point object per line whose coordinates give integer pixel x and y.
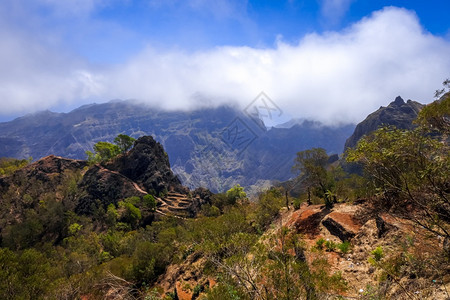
{"type": "Point", "coordinates": [145, 169]}
{"type": "Point", "coordinates": [202, 145]}
{"type": "Point", "coordinates": [399, 239]}
{"type": "Point", "coordinates": [397, 113]}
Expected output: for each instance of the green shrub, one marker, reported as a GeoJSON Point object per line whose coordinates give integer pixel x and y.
{"type": "Point", "coordinates": [210, 210]}
{"type": "Point", "coordinates": [330, 245]}
{"type": "Point", "coordinates": [320, 243]}
{"type": "Point", "coordinates": [344, 247]}
{"type": "Point", "coordinates": [111, 215]}
{"type": "Point", "coordinates": [131, 214]}
{"type": "Point", "coordinates": [377, 253]}
{"type": "Point", "coordinates": [149, 202]}
{"type": "Point", "coordinates": [297, 203]}
{"type": "Point", "coordinates": [197, 290]}
{"type": "Point", "coordinates": [74, 228]}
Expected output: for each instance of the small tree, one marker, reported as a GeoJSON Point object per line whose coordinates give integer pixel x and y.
{"type": "Point", "coordinates": [124, 142]}
{"type": "Point", "coordinates": [312, 165]}
{"type": "Point", "coordinates": [236, 193]}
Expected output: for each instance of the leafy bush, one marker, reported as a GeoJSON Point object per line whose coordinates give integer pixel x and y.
{"type": "Point", "coordinates": [320, 243]}
{"type": "Point", "coordinates": [149, 202]}
{"type": "Point", "coordinates": [210, 210]}
{"type": "Point", "coordinates": [236, 193]}
{"type": "Point", "coordinates": [131, 213]}
{"type": "Point", "coordinates": [377, 254]}
{"type": "Point", "coordinates": [330, 245]}
{"type": "Point", "coordinates": [344, 247]}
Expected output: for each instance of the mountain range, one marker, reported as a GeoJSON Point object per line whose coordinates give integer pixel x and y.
{"type": "Point", "coordinates": [214, 148]}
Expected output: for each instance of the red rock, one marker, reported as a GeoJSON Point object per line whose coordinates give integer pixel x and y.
{"type": "Point", "coordinates": [342, 225]}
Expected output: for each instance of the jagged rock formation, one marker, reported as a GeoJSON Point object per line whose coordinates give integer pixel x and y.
{"type": "Point", "coordinates": [145, 169]}
{"type": "Point", "coordinates": [148, 165]}
{"type": "Point", "coordinates": [397, 113]}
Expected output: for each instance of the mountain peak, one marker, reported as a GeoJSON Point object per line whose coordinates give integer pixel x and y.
{"type": "Point", "coordinates": [398, 101]}
{"type": "Point", "coordinates": [397, 113]}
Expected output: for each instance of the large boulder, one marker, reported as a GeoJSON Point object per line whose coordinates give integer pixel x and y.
{"type": "Point", "coordinates": [342, 225]}
{"type": "Point", "coordinates": [307, 220]}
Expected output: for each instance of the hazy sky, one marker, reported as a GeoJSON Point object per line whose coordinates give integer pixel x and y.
{"type": "Point", "coordinates": [328, 60]}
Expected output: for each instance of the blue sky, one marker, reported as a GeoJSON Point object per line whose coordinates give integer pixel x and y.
{"type": "Point", "coordinates": [347, 57]}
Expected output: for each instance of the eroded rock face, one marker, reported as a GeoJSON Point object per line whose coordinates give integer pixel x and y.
{"type": "Point", "coordinates": [106, 186]}
{"type": "Point", "coordinates": [145, 169]}
{"type": "Point", "coordinates": [148, 165]}
{"type": "Point", "coordinates": [341, 225]}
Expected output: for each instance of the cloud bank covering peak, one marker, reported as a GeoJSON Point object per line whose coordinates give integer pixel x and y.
{"type": "Point", "coordinates": [332, 77]}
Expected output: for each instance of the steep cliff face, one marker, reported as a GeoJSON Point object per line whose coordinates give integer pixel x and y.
{"type": "Point", "coordinates": [397, 113]}
{"type": "Point", "coordinates": [148, 165]}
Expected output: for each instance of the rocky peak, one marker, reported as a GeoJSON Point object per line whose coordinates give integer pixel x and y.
{"type": "Point", "coordinates": [148, 165]}
{"type": "Point", "coordinates": [397, 113]}
{"type": "Point", "coordinates": [144, 169]}
{"type": "Point", "coordinates": [398, 101]}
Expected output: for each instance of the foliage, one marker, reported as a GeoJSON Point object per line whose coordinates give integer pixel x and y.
{"type": "Point", "coordinates": [320, 243]}
{"type": "Point", "coordinates": [104, 151]}
{"type": "Point", "coordinates": [149, 202]}
{"type": "Point", "coordinates": [124, 142]}
{"type": "Point", "coordinates": [297, 202]}
{"type": "Point", "coordinates": [235, 193]}
{"type": "Point", "coordinates": [312, 165]}
{"type": "Point", "coordinates": [330, 245]}
{"type": "Point", "coordinates": [267, 208]}
{"type": "Point", "coordinates": [10, 165]}
{"type": "Point", "coordinates": [436, 116]}
{"type": "Point", "coordinates": [408, 167]}
{"type": "Point", "coordinates": [377, 254]}
{"type": "Point", "coordinates": [24, 275]}
{"type": "Point", "coordinates": [130, 213]}
{"type": "Point", "coordinates": [344, 247]}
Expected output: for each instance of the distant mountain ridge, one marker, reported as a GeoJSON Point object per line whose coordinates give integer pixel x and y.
{"type": "Point", "coordinates": [398, 113]}
{"type": "Point", "coordinates": [202, 146]}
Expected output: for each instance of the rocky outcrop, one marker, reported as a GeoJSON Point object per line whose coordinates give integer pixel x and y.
{"type": "Point", "coordinates": [148, 165]}
{"type": "Point", "coordinates": [145, 169]}
{"type": "Point", "coordinates": [397, 113]}
{"type": "Point", "coordinates": [383, 225]}
{"type": "Point", "coordinates": [106, 186]}
{"type": "Point", "coordinates": [307, 220]}
{"type": "Point", "coordinates": [342, 225]}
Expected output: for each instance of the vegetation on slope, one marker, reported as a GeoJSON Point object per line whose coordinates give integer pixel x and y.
{"type": "Point", "coordinates": [121, 250]}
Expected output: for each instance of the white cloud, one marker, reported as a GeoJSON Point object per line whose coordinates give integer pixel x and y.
{"type": "Point", "coordinates": [332, 77]}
